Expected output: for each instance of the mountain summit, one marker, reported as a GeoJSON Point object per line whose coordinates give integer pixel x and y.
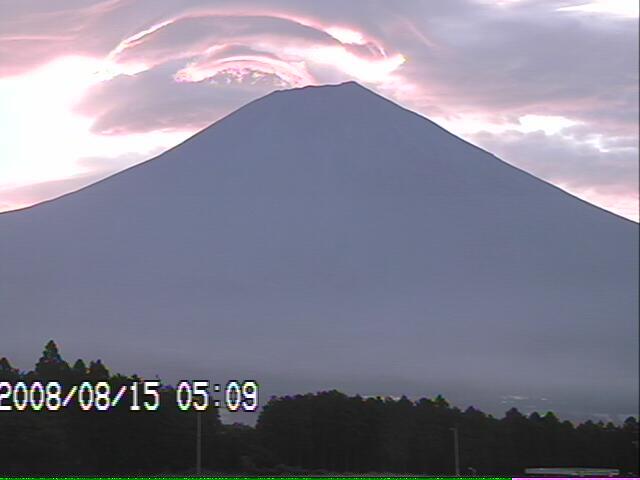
{"type": "Point", "coordinates": [325, 237]}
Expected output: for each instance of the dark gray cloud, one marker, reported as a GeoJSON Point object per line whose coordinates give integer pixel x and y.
{"type": "Point", "coordinates": [527, 60]}
{"type": "Point", "coordinates": [152, 100]}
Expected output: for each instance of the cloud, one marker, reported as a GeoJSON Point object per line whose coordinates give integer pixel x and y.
{"type": "Point", "coordinates": [525, 59]}
{"type": "Point", "coordinates": [195, 66]}
{"type": "Point", "coordinates": [462, 58]}
{"type": "Point", "coordinates": [35, 33]}
{"type": "Point", "coordinates": [153, 100]}
{"type": "Point", "coordinates": [13, 197]}
{"type": "Point", "coordinates": [607, 178]}
{"type": "Point", "coordinates": [471, 65]}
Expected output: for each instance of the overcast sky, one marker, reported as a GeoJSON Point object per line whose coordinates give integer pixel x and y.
{"type": "Point", "coordinates": [90, 87]}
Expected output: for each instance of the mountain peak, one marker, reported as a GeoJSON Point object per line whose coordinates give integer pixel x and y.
{"type": "Point", "coordinates": [325, 222]}
{"type": "Point", "coordinates": [349, 84]}
{"type": "Point", "coordinates": [340, 92]}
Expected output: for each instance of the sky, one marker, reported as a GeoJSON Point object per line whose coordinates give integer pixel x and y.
{"type": "Point", "coordinates": [88, 88]}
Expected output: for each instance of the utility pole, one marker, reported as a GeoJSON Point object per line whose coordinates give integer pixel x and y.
{"type": "Point", "coordinates": [456, 451]}
{"type": "Point", "coordinates": [199, 443]}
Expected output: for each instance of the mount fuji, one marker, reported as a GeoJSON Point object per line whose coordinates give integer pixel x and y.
{"type": "Point", "coordinates": [325, 237]}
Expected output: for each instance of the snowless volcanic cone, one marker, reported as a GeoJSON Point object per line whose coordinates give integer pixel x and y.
{"type": "Point", "coordinates": [325, 237]}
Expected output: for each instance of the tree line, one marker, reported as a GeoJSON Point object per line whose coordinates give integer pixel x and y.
{"type": "Point", "coordinates": [313, 433]}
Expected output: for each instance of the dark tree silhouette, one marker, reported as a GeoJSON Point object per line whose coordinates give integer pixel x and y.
{"type": "Point", "coordinates": [97, 372]}
{"type": "Point", "coordinates": [51, 366]}
{"type": "Point", "coordinates": [7, 372]}
{"type": "Point", "coordinates": [312, 433]}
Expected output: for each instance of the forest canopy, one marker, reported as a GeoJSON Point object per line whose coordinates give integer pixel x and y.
{"type": "Point", "coordinates": [319, 432]}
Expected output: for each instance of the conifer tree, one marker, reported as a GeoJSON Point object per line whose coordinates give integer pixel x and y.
{"type": "Point", "coordinates": [97, 371]}
{"type": "Point", "coordinates": [79, 371]}
{"type": "Point", "coordinates": [7, 372]}
{"type": "Point", "coordinates": [51, 366]}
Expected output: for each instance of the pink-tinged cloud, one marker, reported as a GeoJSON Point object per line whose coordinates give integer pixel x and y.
{"type": "Point", "coordinates": [223, 47]}
{"type": "Point", "coordinates": [237, 67]}
{"type": "Point", "coordinates": [473, 66]}
{"type": "Point", "coordinates": [282, 44]}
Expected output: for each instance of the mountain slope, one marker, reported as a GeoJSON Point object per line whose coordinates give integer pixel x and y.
{"type": "Point", "coordinates": [325, 237]}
